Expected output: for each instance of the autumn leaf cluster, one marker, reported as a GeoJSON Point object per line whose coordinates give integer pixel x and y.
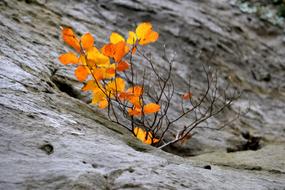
{"type": "Point", "coordinates": [109, 74]}
{"type": "Point", "coordinates": [100, 68]}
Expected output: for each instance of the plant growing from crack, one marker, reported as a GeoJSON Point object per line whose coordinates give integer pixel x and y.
{"type": "Point", "coordinates": [111, 74]}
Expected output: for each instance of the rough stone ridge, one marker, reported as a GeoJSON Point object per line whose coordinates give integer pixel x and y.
{"type": "Point", "coordinates": [51, 138]}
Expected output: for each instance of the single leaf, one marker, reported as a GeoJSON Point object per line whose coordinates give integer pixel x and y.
{"type": "Point", "coordinates": [108, 50]}
{"type": "Point", "coordinates": [142, 29]}
{"type": "Point", "coordinates": [136, 101]}
{"type": "Point", "coordinates": [125, 95]}
{"type": "Point", "coordinates": [132, 38]}
{"type": "Point", "coordinates": [110, 71]}
{"type": "Point", "coordinates": [87, 41]}
{"type": "Point", "coordinates": [116, 86]}
{"type": "Point", "coordinates": [151, 108]}
{"type": "Point", "coordinates": [98, 96]}
{"type": "Point", "coordinates": [68, 58]}
{"type": "Point", "coordinates": [122, 66]}
{"type": "Point", "coordinates": [116, 38]}
{"type": "Point", "coordinates": [155, 140]}
{"type": "Point", "coordinates": [136, 90]}
{"type": "Point", "coordinates": [149, 38]}
{"type": "Point", "coordinates": [103, 104]}
{"type": "Point", "coordinates": [145, 137]}
{"type": "Point", "coordinates": [82, 60]}
{"type": "Point", "coordinates": [70, 38]}
{"type": "Point", "coordinates": [81, 73]}
{"type": "Point", "coordinates": [134, 49]}
{"type": "Point", "coordinates": [98, 73]}
{"type": "Point", "coordinates": [97, 58]}
{"type": "Point", "coordinates": [135, 111]}
{"type": "Point", "coordinates": [91, 85]}
{"type": "Point", "coordinates": [145, 34]}
{"type": "Point", "coordinates": [116, 51]}
{"type": "Point", "coordinates": [187, 96]}
{"type": "Point", "coordinates": [92, 53]}
{"type": "Point", "coordinates": [120, 49]}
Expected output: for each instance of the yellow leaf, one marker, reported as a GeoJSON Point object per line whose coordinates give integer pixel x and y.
{"type": "Point", "coordinates": [116, 38]}
{"type": "Point", "coordinates": [98, 95]}
{"type": "Point", "coordinates": [151, 108]}
{"type": "Point", "coordinates": [92, 53]}
{"type": "Point", "coordinates": [145, 137]}
{"type": "Point", "coordinates": [68, 58]}
{"type": "Point", "coordinates": [82, 60]}
{"type": "Point", "coordinates": [116, 86]}
{"type": "Point", "coordinates": [142, 29]}
{"type": "Point", "coordinates": [97, 58]}
{"type": "Point", "coordinates": [145, 34]}
{"type": "Point", "coordinates": [132, 38]}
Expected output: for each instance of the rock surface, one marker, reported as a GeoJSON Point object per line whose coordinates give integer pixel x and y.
{"type": "Point", "coordinates": [50, 138]}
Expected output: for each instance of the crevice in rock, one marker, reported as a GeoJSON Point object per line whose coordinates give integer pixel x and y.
{"type": "Point", "coordinates": [249, 168]}
{"type": "Point", "coordinates": [252, 143]}
{"type": "Point", "coordinates": [47, 148]}
{"type": "Point", "coordinates": [66, 87]}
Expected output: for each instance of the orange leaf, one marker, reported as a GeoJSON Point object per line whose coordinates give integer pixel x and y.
{"type": "Point", "coordinates": [103, 104]}
{"type": "Point", "coordinates": [119, 51]}
{"type": "Point", "coordinates": [81, 73]}
{"type": "Point", "coordinates": [70, 38]}
{"type": "Point", "coordinates": [135, 111]}
{"type": "Point", "coordinates": [116, 51]}
{"type": "Point", "coordinates": [87, 41]}
{"type": "Point", "coordinates": [125, 96]}
{"type": "Point", "coordinates": [149, 38]}
{"type": "Point", "coordinates": [110, 71]}
{"type": "Point", "coordinates": [91, 85]}
{"type": "Point", "coordinates": [68, 58]}
{"type": "Point", "coordinates": [98, 73]}
{"type": "Point", "coordinates": [108, 50]}
{"type": "Point", "coordinates": [187, 96]}
{"type": "Point", "coordinates": [136, 101]}
{"type": "Point", "coordinates": [136, 90]}
{"type": "Point", "coordinates": [151, 108]}
{"type": "Point", "coordinates": [122, 66]}
{"type": "Point", "coordinates": [134, 49]}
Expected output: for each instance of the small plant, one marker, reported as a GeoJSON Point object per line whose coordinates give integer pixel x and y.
{"type": "Point", "coordinates": [137, 104]}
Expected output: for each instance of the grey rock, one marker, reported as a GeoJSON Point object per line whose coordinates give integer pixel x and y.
{"type": "Point", "coordinates": [50, 138]}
